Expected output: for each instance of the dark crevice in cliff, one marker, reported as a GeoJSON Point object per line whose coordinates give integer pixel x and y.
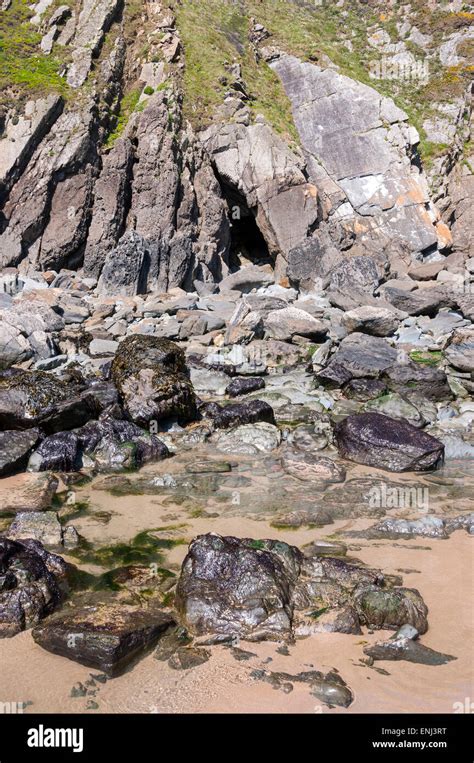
{"type": "Point", "coordinates": [247, 242]}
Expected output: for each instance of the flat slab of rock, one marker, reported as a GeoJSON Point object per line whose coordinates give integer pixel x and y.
{"type": "Point", "coordinates": [386, 443]}
{"type": "Point", "coordinates": [249, 439]}
{"type": "Point", "coordinates": [27, 492]}
{"type": "Point", "coordinates": [39, 525]}
{"type": "Point", "coordinates": [246, 279]}
{"type": "Point", "coordinates": [107, 637]}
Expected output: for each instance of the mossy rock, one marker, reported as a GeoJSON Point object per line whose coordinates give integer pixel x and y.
{"type": "Point", "coordinates": [151, 376]}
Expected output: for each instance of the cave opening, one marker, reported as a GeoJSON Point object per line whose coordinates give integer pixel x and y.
{"type": "Point", "coordinates": [248, 245]}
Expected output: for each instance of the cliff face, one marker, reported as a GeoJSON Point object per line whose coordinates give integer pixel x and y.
{"type": "Point", "coordinates": [155, 145]}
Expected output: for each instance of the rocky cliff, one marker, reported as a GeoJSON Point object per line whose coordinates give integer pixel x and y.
{"type": "Point", "coordinates": [133, 154]}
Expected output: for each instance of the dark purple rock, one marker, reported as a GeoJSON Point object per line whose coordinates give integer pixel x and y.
{"type": "Point", "coordinates": [244, 385]}
{"type": "Point", "coordinates": [32, 584]}
{"type": "Point", "coordinates": [386, 443]}
{"type": "Point", "coordinates": [237, 414]}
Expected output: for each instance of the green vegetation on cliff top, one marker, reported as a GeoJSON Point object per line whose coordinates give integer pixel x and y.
{"type": "Point", "coordinates": [215, 33]}
{"type": "Point", "coordinates": [24, 69]}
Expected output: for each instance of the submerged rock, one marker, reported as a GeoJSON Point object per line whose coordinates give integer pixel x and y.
{"type": "Point", "coordinates": [249, 439]}
{"type": "Point", "coordinates": [150, 374]}
{"type": "Point", "coordinates": [306, 466]}
{"type": "Point", "coordinates": [187, 657]}
{"type": "Point", "coordinates": [32, 584]}
{"type": "Point", "coordinates": [427, 527]}
{"type": "Point", "coordinates": [241, 587]}
{"type": "Point", "coordinates": [329, 688]}
{"type": "Point", "coordinates": [338, 620]}
{"type": "Point", "coordinates": [105, 637]}
{"type": "Point", "coordinates": [394, 445]}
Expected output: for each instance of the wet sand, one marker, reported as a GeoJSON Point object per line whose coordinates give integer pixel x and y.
{"type": "Point", "coordinates": [442, 570]}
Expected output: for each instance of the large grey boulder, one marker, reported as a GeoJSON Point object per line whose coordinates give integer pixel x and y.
{"type": "Point", "coordinates": [419, 302]}
{"type": "Point", "coordinates": [291, 321]}
{"type": "Point", "coordinates": [386, 443]}
{"type": "Point", "coordinates": [460, 352]}
{"type": "Point", "coordinates": [357, 145]}
{"type": "Point", "coordinates": [310, 263]}
{"type": "Point", "coordinates": [369, 319]}
{"type": "Point", "coordinates": [14, 347]}
{"type": "Point", "coordinates": [418, 381]}
{"type": "Point", "coordinates": [359, 356]}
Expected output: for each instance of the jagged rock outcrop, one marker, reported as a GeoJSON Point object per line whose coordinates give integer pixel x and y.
{"type": "Point", "coordinates": [111, 192]}
{"type": "Point", "coordinates": [150, 374]}
{"type": "Point", "coordinates": [48, 181]}
{"type": "Point", "coordinates": [357, 146]}
{"type": "Point", "coordinates": [22, 135]}
{"type": "Point", "coordinates": [93, 22]}
{"type": "Point", "coordinates": [163, 191]}
{"type": "Point", "coordinates": [33, 584]}
{"type": "Point", "coordinates": [263, 177]}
